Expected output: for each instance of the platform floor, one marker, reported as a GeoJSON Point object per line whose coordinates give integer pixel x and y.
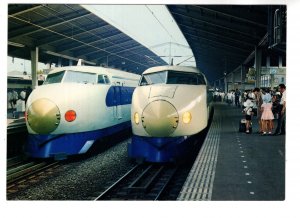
{"type": "Point", "coordinates": [11, 121]}
{"type": "Point", "coordinates": [236, 166]}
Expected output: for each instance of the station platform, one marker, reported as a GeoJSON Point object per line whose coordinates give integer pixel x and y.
{"type": "Point", "coordinates": [17, 124]}
{"type": "Point", "coordinates": [18, 118]}
{"type": "Point", "coordinates": [236, 166]}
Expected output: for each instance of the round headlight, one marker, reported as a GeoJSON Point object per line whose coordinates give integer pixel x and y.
{"type": "Point", "coordinates": [187, 117]}
{"type": "Point", "coordinates": [136, 118]}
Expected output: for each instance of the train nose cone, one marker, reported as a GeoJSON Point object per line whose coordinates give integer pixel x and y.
{"type": "Point", "coordinates": [43, 116]}
{"type": "Point", "coordinates": [160, 118]}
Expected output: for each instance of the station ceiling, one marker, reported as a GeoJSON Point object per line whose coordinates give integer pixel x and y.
{"type": "Point", "coordinates": [70, 32]}
{"type": "Point", "coordinates": [221, 36]}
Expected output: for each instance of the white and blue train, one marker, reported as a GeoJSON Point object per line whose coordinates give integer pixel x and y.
{"type": "Point", "coordinates": [170, 104]}
{"type": "Point", "coordinates": [76, 106]}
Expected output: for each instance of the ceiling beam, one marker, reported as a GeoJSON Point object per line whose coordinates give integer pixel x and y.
{"type": "Point", "coordinates": [67, 45]}
{"type": "Point", "coordinates": [26, 10]}
{"type": "Point", "coordinates": [55, 39]}
{"type": "Point", "coordinates": [222, 44]}
{"type": "Point", "coordinates": [242, 16]}
{"type": "Point", "coordinates": [106, 48]}
{"type": "Point", "coordinates": [237, 38]}
{"type": "Point", "coordinates": [221, 24]}
{"type": "Point", "coordinates": [20, 32]}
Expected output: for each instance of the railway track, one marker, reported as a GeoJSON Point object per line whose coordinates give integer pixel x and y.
{"type": "Point", "coordinates": [156, 181]}
{"type": "Point", "coordinates": [142, 182]}
{"type": "Point", "coordinates": [20, 174]}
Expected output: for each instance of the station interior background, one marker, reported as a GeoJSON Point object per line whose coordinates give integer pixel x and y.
{"type": "Point", "coordinates": [178, 209]}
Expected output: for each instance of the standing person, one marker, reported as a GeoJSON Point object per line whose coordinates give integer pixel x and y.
{"type": "Point", "coordinates": [229, 98]}
{"type": "Point", "coordinates": [232, 96]}
{"type": "Point", "coordinates": [280, 129]}
{"type": "Point", "coordinates": [10, 100]}
{"type": "Point", "coordinates": [222, 94]}
{"type": "Point", "coordinates": [267, 116]}
{"type": "Point", "coordinates": [276, 105]}
{"type": "Point", "coordinates": [237, 94]}
{"type": "Point", "coordinates": [248, 104]}
{"type": "Point", "coordinates": [28, 91]}
{"type": "Point", "coordinates": [15, 97]}
{"type": "Point", "coordinates": [257, 106]}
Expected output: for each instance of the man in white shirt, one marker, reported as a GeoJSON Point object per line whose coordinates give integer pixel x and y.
{"type": "Point", "coordinates": [280, 130]}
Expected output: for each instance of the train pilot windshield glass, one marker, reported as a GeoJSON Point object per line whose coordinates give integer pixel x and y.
{"type": "Point", "coordinates": [54, 78]}
{"type": "Point", "coordinates": [173, 77]}
{"type": "Point", "coordinates": [79, 77]}
{"type": "Point", "coordinates": [154, 78]}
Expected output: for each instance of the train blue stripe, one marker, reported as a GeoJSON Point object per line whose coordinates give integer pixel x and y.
{"type": "Point", "coordinates": [119, 95]}
{"type": "Point", "coordinates": [49, 145]}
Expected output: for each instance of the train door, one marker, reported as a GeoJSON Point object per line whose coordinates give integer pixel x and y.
{"type": "Point", "coordinates": [117, 101]}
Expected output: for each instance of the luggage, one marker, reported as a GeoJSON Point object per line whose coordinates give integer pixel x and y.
{"type": "Point", "coordinates": [242, 126]}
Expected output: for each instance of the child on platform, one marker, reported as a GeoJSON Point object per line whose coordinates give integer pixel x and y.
{"type": "Point", "coordinates": [267, 116]}
{"type": "Point", "coordinates": [248, 104]}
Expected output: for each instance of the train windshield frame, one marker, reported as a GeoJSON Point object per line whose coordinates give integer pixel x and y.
{"type": "Point", "coordinates": [172, 77]}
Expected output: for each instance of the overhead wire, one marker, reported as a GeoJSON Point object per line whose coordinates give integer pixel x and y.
{"type": "Point", "coordinates": [160, 22]}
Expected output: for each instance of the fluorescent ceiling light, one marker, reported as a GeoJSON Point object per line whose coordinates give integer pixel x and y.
{"type": "Point", "coordinates": [16, 44]}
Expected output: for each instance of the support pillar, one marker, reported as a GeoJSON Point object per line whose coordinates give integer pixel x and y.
{"type": "Point", "coordinates": [225, 84]}
{"type": "Point", "coordinates": [258, 57]}
{"type": "Point", "coordinates": [59, 62]}
{"type": "Point", "coordinates": [242, 78]}
{"type": "Point", "coordinates": [34, 63]}
{"type": "Point", "coordinates": [280, 62]}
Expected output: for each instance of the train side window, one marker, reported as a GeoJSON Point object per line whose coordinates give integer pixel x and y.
{"type": "Point", "coordinates": [143, 81]}
{"type": "Point", "coordinates": [201, 80]}
{"type": "Point", "coordinates": [106, 79]}
{"type": "Point", "coordinates": [101, 79]}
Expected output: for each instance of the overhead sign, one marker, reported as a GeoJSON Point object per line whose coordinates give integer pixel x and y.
{"type": "Point", "coordinates": [273, 70]}
{"type": "Point", "coordinates": [251, 75]}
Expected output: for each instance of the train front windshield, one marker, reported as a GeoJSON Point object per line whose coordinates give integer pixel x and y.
{"type": "Point", "coordinates": [54, 78]}
{"type": "Point", "coordinates": [68, 76]}
{"type": "Point", "coordinates": [172, 77]}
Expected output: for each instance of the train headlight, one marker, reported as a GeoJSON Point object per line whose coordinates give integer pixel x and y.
{"type": "Point", "coordinates": [136, 118]}
{"type": "Point", "coordinates": [187, 117]}
{"type": "Point", "coordinates": [70, 115]}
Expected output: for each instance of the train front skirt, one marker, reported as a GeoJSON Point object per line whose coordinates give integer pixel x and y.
{"type": "Point", "coordinates": [158, 149]}
{"type": "Point", "coordinates": [63, 145]}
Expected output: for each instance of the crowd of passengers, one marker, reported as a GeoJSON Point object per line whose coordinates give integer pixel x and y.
{"type": "Point", "coordinates": [264, 105]}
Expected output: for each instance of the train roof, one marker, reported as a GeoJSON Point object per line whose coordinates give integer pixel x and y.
{"type": "Point", "coordinates": [174, 68]}
{"type": "Point", "coordinates": [94, 69]}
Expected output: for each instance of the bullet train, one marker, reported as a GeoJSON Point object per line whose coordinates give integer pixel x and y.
{"type": "Point", "coordinates": [76, 106]}
{"type": "Point", "coordinates": [170, 104]}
